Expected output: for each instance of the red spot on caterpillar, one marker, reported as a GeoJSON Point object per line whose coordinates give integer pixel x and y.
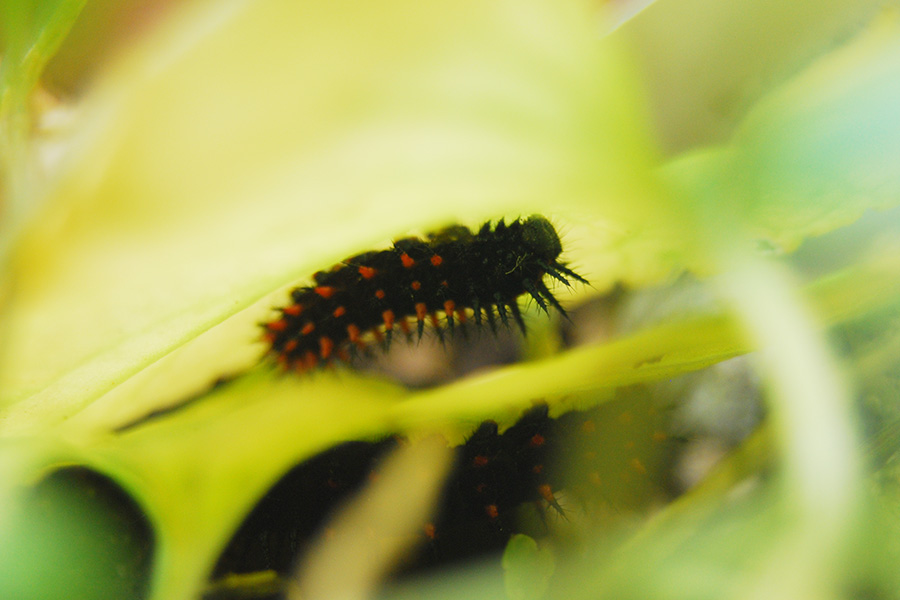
{"type": "Point", "coordinates": [408, 262]}
{"type": "Point", "coordinates": [279, 325]}
{"type": "Point", "coordinates": [492, 511]}
{"type": "Point", "coordinates": [536, 441]}
{"type": "Point", "coordinates": [325, 291]}
{"type": "Point", "coordinates": [379, 294]}
{"type": "Point", "coordinates": [339, 312]}
{"type": "Point", "coordinates": [416, 285]}
{"type": "Point", "coordinates": [421, 311]}
{"type": "Point", "coordinates": [449, 307]}
{"type": "Point", "coordinates": [293, 310]}
{"type": "Point", "coordinates": [480, 460]}
{"type": "Point", "coordinates": [367, 272]}
{"type": "Point", "coordinates": [326, 345]}
{"type": "Point", "coordinates": [308, 328]}
{"type": "Point", "coordinates": [388, 317]}
{"type": "Point", "coordinates": [353, 334]}
{"type": "Point", "coordinates": [289, 346]}
{"type": "Point", "coordinates": [436, 260]}
{"type": "Point", "coordinates": [546, 493]}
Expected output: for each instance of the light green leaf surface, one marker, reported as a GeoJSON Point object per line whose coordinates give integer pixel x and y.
{"type": "Point", "coordinates": [241, 160]}
{"type": "Point", "coordinates": [528, 568]}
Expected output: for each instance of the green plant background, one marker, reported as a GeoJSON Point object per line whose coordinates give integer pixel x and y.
{"type": "Point", "coordinates": [236, 147]}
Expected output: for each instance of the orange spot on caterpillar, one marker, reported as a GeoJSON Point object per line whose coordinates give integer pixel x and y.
{"type": "Point", "coordinates": [449, 307]}
{"type": "Point", "coordinates": [421, 311]}
{"type": "Point", "coordinates": [536, 441]}
{"type": "Point", "coordinates": [325, 291]}
{"type": "Point", "coordinates": [388, 317]}
{"type": "Point", "coordinates": [436, 260]}
{"type": "Point", "coordinates": [279, 325]}
{"type": "Point", "coordinates": [407, 260]}
{"type": "Point", "coordinates": [416, 285]}
{"type": "Point", "coordinates": [445, 284]}
{"type": "Point", "coordinates": [353, 333]}
{"type": "Point", "coordinates": [430, 531]}
{"type": "Point", "coordinates": [293, 310]}
{"type": "Point", "coordinates": [379, 294]}
{"type": "Point", "coordinates": [339, 312]}
{"type": "Point", "coordinates": [289, 346]}
{"type": "Point", "coordinates": [546, 493]}
{"type": "Point", "coordinates": [326, 345]}
{"type": "Point", "coordinates": [367, 272]}
{"type": "Point", "coordinates": [308, 328]}
{"type": "Point", "coordinates": [492, 511]}
{"type": "Point", "coordinates": [310, 360]}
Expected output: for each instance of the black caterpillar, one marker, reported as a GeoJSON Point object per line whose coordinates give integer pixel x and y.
{"type": "Point", "coordinates": [453, 270]}
{"type": "Point", "coordinates": [496, 476]}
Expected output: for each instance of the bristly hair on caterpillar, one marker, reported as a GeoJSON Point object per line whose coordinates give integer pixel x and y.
{"type": "Point", "coordinates": [464, 274]}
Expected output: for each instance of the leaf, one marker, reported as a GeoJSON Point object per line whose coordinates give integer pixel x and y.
{"type": "Point", "coordinates": [209, 179]}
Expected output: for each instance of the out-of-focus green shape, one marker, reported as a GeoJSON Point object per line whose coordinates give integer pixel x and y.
{"type": "Point", "coordinates": [78, 537]}
{"type": "Point", "coordinates": [30, 33]}
{"type": "Point", "coordinates": [809, 157]}
{"type": "Point", "coordinates": [705, 63]}
{"type": "Point", "coordinates": [527, 568]}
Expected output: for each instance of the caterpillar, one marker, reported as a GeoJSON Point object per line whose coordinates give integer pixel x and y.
{"type": "Point", "coordinates": [549, 467]}
{"type": "Point", "coordinates": [461, 273]}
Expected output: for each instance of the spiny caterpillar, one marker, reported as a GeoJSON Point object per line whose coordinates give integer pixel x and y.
{"type": "Point", "coordinates": [453, 270]}
{"type": "Point", "coordinates": [520, 480]}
